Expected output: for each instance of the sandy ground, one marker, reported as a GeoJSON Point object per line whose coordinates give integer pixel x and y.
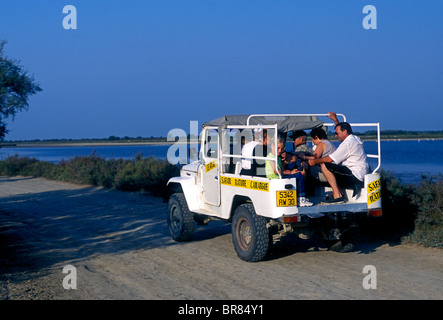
{"type": "Point", "coordinates": [119, 245]}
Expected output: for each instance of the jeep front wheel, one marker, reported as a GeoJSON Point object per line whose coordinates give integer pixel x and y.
{"type": "Point", "coordinates": [180, 219]}
{"type": "Point", "coordinates": [249, 234]}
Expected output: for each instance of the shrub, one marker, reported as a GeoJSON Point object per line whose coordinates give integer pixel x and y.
{"type": "Point", "coordinates": [148, 174]}
{"type": "Point", "coordinates": [399, 213]}
{"type": "Point", "coordinates": [139, 174]}
{"type": "Point", "coordinates": [411, 213]}
{"type": "Point", "coordinates": [428, 199]}
{"type": "Point", "coordinates": [15, 165]}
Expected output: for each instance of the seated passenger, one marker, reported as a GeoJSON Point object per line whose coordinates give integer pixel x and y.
{"type": "Point", "coordinates": [345, 167]}
{"type": "Point", "coordinates": [300, 147]}
{"type": "Point", "coordinates": [272, 171]}
{"type": "Point", "coordinates": [324, 148]}
{"type": "Point", "coordinates": [257, 147]}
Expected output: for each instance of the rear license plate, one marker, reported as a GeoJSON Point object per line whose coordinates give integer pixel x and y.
{"type": "Point", "coordinates": [287, 198]}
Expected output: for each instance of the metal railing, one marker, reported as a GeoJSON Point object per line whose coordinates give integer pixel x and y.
{"type": "Point", "coordinates": [274, 127]}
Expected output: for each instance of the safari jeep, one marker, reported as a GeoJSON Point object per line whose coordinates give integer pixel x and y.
{"type": "Point", "coordinates": [262, 210]}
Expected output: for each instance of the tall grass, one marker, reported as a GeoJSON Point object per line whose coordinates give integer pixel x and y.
{"type": "Point", "coordinates": [139, 174]}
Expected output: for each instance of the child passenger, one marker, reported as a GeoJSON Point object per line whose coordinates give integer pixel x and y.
{"type": "Point", "coordinates": [272, 171]}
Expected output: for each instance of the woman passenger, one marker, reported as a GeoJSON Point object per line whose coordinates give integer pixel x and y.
{"type": "Point", "coordinates": [323, 148]}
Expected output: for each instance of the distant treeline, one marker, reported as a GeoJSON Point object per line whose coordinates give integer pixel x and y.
{"type": "Point", "coordinates": [371, 134]}
{"type": "Point", "coordinates": [109, 139]}
{"type": "Point", "coordinates": [403, 134]}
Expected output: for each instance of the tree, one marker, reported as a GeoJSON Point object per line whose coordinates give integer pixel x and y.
{"type": "Point", "coordinates": [16, 85]}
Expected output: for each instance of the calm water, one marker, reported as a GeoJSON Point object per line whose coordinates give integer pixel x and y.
{"type": "Point", "coordinates": [56, 154]}
{"type": "Point", "coordinates": [407, 159]}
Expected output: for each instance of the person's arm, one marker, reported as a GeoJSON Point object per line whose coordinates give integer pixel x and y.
{"type": "Point", "coordinates": [289, 172]}
{"type": "Point", "coordinates": [333, 117]}
{"type": "Point", "coordinates": [313, 162]}
{"type": "Point", "coordinates": [318, 151]}
{"type": "Point", "coordinates": [273, 166]}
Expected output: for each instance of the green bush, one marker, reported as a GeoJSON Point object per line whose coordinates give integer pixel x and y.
{"type": "Point", "coordinates": [428, 199]}
{"type": "Point", "coordinates": [15, 165]}
{"type": "Point", "coordinates": [399, 213]}
{"type": "Point", "coordinates": [411, 213]}
{"type": "Point", "coordinates": [140, 174]}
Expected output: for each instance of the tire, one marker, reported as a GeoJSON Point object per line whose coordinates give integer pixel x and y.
{"type": "Point", "coordinates": [249, 234]}
{"type": "Point", "coordinates": [180, 220]}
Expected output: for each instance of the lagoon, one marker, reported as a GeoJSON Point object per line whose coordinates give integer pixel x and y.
{"type": "Point", "coordinates": [407, 159]}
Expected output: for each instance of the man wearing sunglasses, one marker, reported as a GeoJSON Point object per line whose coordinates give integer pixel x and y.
{"type": "Point", "coordinates": [345, 167]}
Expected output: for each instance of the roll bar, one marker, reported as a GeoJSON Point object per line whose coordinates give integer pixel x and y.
{"type": "Point", "coordinates": [377, 125]}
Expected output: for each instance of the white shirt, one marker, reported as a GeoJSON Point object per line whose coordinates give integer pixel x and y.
{"type": "Point", "coordinates": [247, 151]}
{"type": "Point", "coordinates": [350, 153]}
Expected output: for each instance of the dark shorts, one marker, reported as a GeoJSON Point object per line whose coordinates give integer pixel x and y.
{"type": "Point", "coordinates": [344, 176]}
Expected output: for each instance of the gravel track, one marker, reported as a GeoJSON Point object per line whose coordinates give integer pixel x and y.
{"type": "Point", "coordinates": [119, 244]}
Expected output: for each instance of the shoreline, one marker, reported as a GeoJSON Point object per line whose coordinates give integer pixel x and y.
{"type": "Point", "coordinates": [83, 144]}
{"type": "Point", "coordinates": [147, 143]}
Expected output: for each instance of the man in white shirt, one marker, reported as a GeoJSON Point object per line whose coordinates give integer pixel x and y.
{"type": "Point", "coordinates": [345, 167]}
{"type": "Point", "coordinates": [248, 150]}
{"type": "Point", "coordinates": [257, 147]}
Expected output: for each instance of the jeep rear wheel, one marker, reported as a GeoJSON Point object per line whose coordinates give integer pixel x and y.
{"type": "Point", "coordinates": [249, 234]}
{"type": "Point", "coordinates": [180, 220]}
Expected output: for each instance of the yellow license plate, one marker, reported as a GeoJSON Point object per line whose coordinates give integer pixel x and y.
{"type": "Point", "coordinates": [287, 198]}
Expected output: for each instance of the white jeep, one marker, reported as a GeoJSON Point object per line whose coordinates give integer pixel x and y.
{"type": "Point", "coordinates": [261, 210]}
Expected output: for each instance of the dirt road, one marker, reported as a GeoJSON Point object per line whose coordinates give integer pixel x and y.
{"type": "Point", "coordinates": [120, 248]}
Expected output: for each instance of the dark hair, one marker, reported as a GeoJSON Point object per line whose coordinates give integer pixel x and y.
{"type": "Point", "coordinates": [297, 134]}
{"type": "Point", "coordinates": [318, 132]}
{"type": "Point", "coordinates": [344, 126]}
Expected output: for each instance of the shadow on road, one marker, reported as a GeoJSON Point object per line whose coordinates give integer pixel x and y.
{"type": "Point", "coordinates": [292, 244]}
{"type": "Point", "coordinates": [39, 230]}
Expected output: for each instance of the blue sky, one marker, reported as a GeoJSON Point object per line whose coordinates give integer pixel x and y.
{"type": "Point", "coordinates": [142, 67]}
